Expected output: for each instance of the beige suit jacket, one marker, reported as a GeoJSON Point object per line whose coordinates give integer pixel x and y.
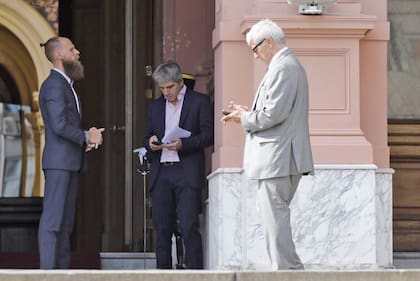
{"type": "Point", "coordinates": [277, 142]}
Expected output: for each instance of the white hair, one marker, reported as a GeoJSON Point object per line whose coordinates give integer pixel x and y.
{"type": "Point", "coordinates": [168, 71]}
{"type": "Point", "coordinates": [263, 29]}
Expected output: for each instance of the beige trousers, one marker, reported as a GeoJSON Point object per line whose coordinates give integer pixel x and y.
{"type": "Point", "coordinates": [273, 200]}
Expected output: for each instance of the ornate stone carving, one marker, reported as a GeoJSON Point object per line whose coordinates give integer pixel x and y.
{"type": "Point", "coordinates": [48, 9]}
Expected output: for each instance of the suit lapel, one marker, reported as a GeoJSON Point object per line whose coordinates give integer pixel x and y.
{"type": "Point", "coordinates": [162, 108]}
{"type": "Point", "coordinates": [254, 103]}
{"type": "Point", "coordinates": [69, 91]}
{"type": "Point", "coordinates": [76, 96]}
{"type": "Point", "coordinates": [186, 105]}
{"type": "Point", "coordinates": [79, 112]}
{"type": "Point", "coordinates": [276, 61]}
{"type": "Point", "coordinates": [80, 106]}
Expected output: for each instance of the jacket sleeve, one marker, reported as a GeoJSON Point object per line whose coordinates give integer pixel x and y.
{"type": "Point", "coordinates": [58, 115]}
{"type": "Point", "coordinates": [275, 101]}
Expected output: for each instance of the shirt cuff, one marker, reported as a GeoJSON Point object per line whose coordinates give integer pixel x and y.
{"type": "Point", "coordinates": [86, 137]}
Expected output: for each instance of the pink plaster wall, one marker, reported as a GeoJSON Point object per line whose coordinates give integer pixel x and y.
{"type": "Point", "coordinates": [373, 78]}
{"type": "Point", "coordinates": [187, 38]}
{"type": "Point", "coordinates": [344, 53]}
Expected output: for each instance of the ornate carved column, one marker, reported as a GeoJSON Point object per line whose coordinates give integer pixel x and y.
{"type": "Point", "coordinates": [35, 119]}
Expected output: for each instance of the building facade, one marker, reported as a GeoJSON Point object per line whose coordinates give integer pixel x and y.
{"type": "Point", "coordinates": [345, 53]}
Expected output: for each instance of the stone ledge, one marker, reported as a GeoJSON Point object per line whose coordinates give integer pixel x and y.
{"type": "Point", "coordinates": [383, 275]}
{"type": "Point", "coordinates": [194, 275]}
{"type": "Point", "coordinates": [115, 275]}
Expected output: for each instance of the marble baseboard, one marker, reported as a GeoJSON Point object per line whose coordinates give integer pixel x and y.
{"type": "Point", "coordinates": [341, 218]}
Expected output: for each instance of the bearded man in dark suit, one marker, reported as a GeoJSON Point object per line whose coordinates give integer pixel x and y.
{"type": "Point", "coordinates": [64, 152]}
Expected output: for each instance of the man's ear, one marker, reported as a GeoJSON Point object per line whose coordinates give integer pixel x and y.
{"type": "Point", "coordinates": [269, 41]}
{"type": "Point", "coordinates": [58, 54]}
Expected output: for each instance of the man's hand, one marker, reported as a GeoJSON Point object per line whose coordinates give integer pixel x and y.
{"type": "Point", "coordinates": [176, 144]}
{"type": "Point", "coordinates": [155, 147]}
{"type": "Point", "coordinates": [89, 147]}
{"type": "Point", "coordinates": [95, 138]}
{"type": "Point", "coordinates": [235, 116]}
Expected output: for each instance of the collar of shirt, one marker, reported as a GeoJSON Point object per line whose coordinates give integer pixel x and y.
{"type": "Point", "coordinates": [278, 54]}
{"type": "Point", "coordinates": [180, 96]}
{"type": "Point", "coordinates": [64, 75]}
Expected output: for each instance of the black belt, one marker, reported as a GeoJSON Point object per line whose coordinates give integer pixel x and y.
{"type": "Point", "coordinates": [169, 163]}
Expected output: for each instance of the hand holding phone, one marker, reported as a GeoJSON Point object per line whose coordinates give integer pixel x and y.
{"type": "Point", "coordinates": [226, 112]}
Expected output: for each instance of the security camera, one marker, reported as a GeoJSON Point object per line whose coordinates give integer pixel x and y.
{"type": "Point", "coordinates": [311, 7]}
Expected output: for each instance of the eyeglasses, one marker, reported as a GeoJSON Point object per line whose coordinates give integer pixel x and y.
{"type": "Point", "coordinates": [256, 46]}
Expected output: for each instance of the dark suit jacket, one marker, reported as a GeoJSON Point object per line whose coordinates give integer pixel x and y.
{"type": "Point", "coordinates": [196, 117]}
{"type": "Point", "coordinates": [64, 136]}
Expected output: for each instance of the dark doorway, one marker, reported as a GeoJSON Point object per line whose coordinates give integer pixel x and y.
{"type": "Point", "coordinates": [9, 92]}
{"type": "Point", "coordinates": [115, 38]}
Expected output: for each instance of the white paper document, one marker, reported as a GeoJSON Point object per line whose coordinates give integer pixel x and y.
{"type": "Point", "coordinates": [141, 151]}
{"type": "Point", "coordinates": [177, 132]}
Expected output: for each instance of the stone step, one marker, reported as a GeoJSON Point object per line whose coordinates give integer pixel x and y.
{"type": "Point", "coordinates": [190, 275]}
{"type": "Point", "coordinates": [127, 260]}
{"type": "Point", "coordinates": [407, 260]}
{"type": "Point", "coordinates": [134, 260]}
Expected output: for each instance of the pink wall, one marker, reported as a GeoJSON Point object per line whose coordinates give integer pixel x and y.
{"type": "Point", "coordinates": [186, 38]}
{"type": "Point", "coordinates": [344, 53]}
{"type": "Point", "coordinates": [373, 78]}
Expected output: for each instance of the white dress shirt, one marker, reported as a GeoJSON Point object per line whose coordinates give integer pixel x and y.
{"type": "Point", "coordinates": [172, 117]}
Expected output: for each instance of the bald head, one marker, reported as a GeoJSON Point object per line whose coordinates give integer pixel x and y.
{"type": "Point", "coordinates": [51, 46]}
{"type": "Point", "coordinates": [64, 56]}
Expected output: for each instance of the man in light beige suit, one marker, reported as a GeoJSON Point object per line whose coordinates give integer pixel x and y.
{"type": "Point", "coordinates": [277, 148]}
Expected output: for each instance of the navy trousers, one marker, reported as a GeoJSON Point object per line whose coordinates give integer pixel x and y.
{"type": "Point", "coordinates": [173, 199]}
{"type": "Point", "coordinates": [57, 219]}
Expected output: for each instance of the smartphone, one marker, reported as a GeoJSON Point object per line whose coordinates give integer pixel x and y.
{"type": "Point", "coordinates": [226, 112]}
{"type": "Point", "coordinates": [156, 142]}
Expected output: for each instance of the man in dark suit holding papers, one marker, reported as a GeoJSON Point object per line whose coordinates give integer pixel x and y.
{"type": "Point", "coordinates": [179, 128]}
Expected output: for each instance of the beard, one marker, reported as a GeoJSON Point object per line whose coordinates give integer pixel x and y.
{"type": "Point", "coordinates": [74, 70]}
